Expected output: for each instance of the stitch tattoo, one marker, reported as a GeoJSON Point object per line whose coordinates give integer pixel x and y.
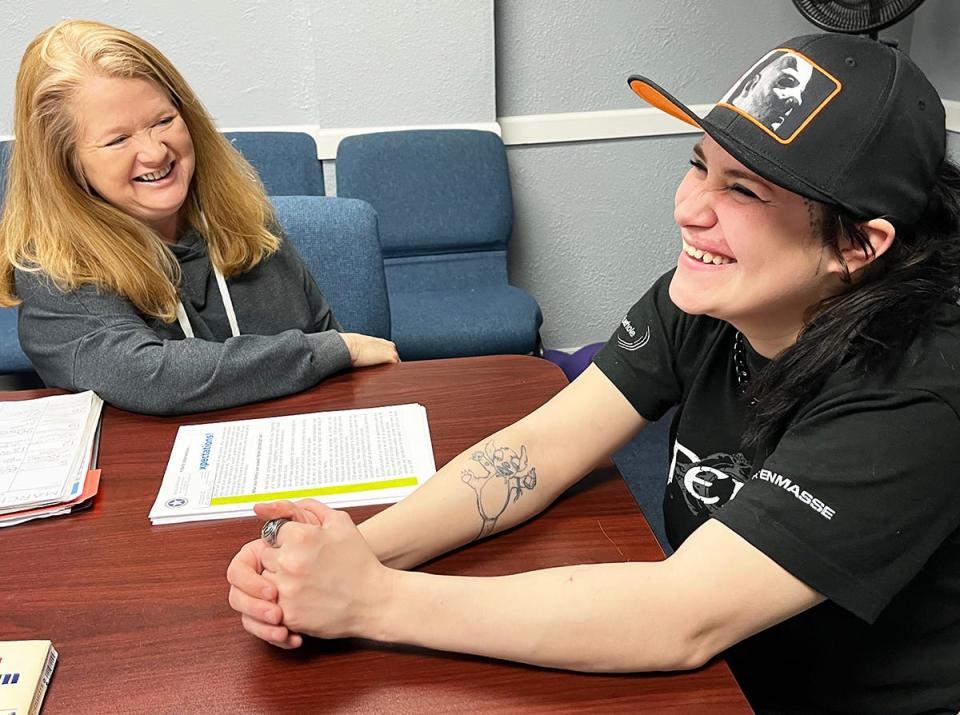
{"type": "Point", "coordinates": [506, 476]}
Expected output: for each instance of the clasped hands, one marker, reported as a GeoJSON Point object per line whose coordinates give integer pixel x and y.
{"type": "Point", "coordinates": [321, 580]}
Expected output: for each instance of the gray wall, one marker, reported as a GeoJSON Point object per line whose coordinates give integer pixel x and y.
{"type": "Point", "coordinates": [575, 55]}
{"type": "Point", "coordinates": [594, 222]}
{"type": "Point", "coordinates": [934, 45]}
{"type": "Point", "coordinates": [592, 229]}
{"type": "Point", "coordinates": [936, 49]}
{"type": "Point", "coordinates": [336, 63]}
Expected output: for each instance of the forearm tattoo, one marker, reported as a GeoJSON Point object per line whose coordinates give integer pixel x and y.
{"type": "Point", "coordinates": [506, 475]}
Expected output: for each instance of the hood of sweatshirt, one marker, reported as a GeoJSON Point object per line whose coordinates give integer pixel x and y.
{"type": "Point", "coordinates": [198, 284]}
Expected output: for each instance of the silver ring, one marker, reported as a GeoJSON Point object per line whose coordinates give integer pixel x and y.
{"type": "Point", "coordinates": [270, 529]}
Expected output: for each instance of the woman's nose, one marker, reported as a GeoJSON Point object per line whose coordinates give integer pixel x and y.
{"type": "Point", "coordinates": [151, 150]}
{"type": "Point", "coordinates": [693, 207]}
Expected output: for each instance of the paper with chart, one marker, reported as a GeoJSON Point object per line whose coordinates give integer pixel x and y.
{"type": "Point", "coordinates": [46, 448]}
{"type": "Point", "coordinates": [343, 458]}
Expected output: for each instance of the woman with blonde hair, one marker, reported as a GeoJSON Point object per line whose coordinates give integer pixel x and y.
{"type": "Point", "coordinates": [140, 243]}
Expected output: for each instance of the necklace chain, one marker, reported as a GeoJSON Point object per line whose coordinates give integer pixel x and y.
{"type": "Point", "coordinates": [740, 366]}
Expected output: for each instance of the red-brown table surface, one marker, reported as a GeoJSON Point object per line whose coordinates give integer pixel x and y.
{"type": "Point", "coordinates": [139, 613]}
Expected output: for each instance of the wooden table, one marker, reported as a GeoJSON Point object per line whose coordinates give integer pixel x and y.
{"type": "Point", "coordinates": [139, 613]}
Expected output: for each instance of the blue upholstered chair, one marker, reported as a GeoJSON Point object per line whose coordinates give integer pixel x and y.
{"type": "Point", "coordinates": [12, 358]}
{"type": "Point", "coordinates": [445, 208]}
{"type": "Point", "coordinates": [644, 462]}
{"type": "Point", "coordinates": [5, 149]}
{"type": "Point", "coordinates": [337, 239]}
{"type": "Point", "coordinates": [286, 161]}
{"type": "Point", "coordinates": [13, 362]}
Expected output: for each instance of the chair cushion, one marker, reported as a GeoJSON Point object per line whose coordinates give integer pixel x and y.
{"type": "Point", "coordinates": [447, 271]}
{"type": "Point", "coordinates": [337, 239]}
{"type": "Point", "coordinates": [442, 190]}
{"type": "Point", "coordinates": [286, 161]}
{"type": "Point", "coordinates": [5, 149]}
{"type": "Point", "coordinates": [12, 358]}
{"type": "Point", "coordinates": [644, 462]}
{"type": "Point", "coordinates": [470, 321]}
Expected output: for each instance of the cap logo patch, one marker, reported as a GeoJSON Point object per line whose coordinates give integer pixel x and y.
{"type": "Point", "coordinates": [782, 93]}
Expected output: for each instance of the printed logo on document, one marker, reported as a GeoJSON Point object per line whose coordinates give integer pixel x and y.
{"type": "Point", "coordinates": [176, 501]}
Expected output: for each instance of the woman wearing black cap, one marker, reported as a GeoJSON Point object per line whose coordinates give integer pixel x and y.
{"type": "Point", "coordinates": [810, 338]}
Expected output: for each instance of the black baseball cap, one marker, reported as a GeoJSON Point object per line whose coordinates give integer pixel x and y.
{"type": "Point", "coordinates": [840, 119]}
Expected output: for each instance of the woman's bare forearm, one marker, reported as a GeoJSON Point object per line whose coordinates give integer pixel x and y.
{"type": "Point", "coordinates": [508, 477]}
{"type": "Point", "coordinates": [615, 617]}
{"type": "Point", "coordinates": [599, 618]}
{"type": "Point", "coordinates": [495, 484]}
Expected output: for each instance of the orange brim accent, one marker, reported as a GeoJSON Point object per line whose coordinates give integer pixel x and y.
{"type": "Point", "coordinates": [656, 99]}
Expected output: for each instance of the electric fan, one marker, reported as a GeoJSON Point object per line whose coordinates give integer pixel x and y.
{"type": "Point", "coordinates": [855, 16]}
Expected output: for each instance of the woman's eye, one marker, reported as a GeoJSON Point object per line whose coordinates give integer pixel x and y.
{"type": "Point", "coordinates": [165, 121]}
{"type": "Point", "coordinates": [743, 191]}
{"type": "Point", "coordinates": [698, 165]}
{"type": "Point", "coordinates": [117, 141]}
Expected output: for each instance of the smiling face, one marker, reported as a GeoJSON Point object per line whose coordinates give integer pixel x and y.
{"type": "Point", "coordinates": [134, 149]}
{"type": "Point", "coordinates": [752, 252]}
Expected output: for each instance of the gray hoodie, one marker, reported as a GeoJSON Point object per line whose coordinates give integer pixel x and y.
{"type": "Point", "coordinates": [91, 339]}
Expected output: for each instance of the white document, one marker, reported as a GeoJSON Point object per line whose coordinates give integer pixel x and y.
{"type": "Point", "coordinates": [45, 448]}
{"type": "Point", "coordinates": [344, 458]}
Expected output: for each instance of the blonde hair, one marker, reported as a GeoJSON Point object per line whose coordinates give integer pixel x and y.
{"type": "Point", "coordinates": [53, 223]}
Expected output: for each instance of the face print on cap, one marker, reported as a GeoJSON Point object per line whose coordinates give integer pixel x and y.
{"type": "Point", "coordinates": [782, 93]}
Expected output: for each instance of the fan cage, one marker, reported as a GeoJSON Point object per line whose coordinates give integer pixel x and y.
{"type": "Point", "coordinates": [855, 16]}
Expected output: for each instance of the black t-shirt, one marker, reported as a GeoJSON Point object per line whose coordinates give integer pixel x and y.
{"type": "Point", "coordinates": [860, 499]}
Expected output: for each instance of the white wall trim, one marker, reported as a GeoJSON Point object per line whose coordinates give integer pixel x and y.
{"type": "Point", "coordinates": [520, 130]}
{"type": "Point", "coordinates": [952, 108]}
{"type": "Point", "coordinates": [592, 126]}
{"type": "Point", "coordinates": [571, 351]}
{"type": "Point", "coordinates": [623, 124]}
{"type": "Point", "coordinates": [540, 128]}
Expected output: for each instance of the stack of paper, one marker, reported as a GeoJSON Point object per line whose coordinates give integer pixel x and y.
{"type": "Point", "coordinates": [345, 458]}
{"type": "Point", "coordinates": [47, 448]}
{"type": "Point", "coordinates": [25, 671]}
